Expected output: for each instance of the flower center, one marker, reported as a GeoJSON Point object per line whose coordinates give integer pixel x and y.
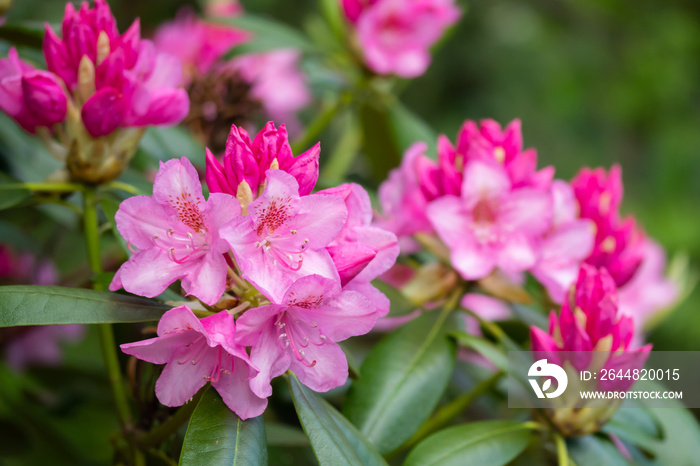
{"type": "Point", "coordinates": [195, 352]}
{"type": "Point", "coordinates": [188, 211]}
{"type": "Point", "coordinates": [295, 333]}
{"type": "Point", "coordinates": [183, 247]}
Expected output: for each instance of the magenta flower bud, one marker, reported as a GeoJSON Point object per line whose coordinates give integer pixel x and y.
{"type": "Point", "coordinates": [248, 161]}
{"type": "Point", "coordinates": [350, 259]}
{"type": "Point", "coordinates": [31, 97]}
{"type": "Point", "coordinates": [305, 169]}
{"type": "Point", "coordinates": [121, 80]}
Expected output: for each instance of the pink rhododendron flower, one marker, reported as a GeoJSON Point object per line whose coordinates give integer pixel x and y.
{"type": "Point", "coordinates": [31, 97]}
{"type": "Point", "coordinates": [198, 44]}
{"type": "Point", "coordinates": [122, 81]}
{"type": "Point", "coordinates": [567, 243]}
{"type": "Point", "coordinates": [491, 225]}
{"type": "Point", "coordinates": [362, 252]}
{"type": "Point", "coordinates": [396, 35]}
{"type": "Point", "coordinates": [176, 232]}
{"type": "Point", "coordinates": [649, 291]}
{"type": "Point", "coordinates": [284, 236]}
{"type": "Point", "coordinates": [590, 321]}
{"type": "Point", "coordinates": [618, 243]}
{"type": "Point", "coordinates": [245, 163]}
{"type": "Point", "coordinates": [277, 83]}
{"type": "Point", "coordinates": [402, 199]}
{"type": "Point", "coordinates": [196, 352]}
{"type": "Point", "coordinates": [301, 333]}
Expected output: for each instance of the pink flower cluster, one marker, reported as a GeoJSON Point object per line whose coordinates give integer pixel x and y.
{"type": "Point", "coordinates": [590, 321]}
{"type": "Point", "coordinates": [485, 198]}
{"type": "Point", "coordinates": [635, 262]}
{"type": "Point", "coordinates": [396, 35]}
{"type": "Point", "coordinates": [308, 258]}
{"type": "Point", "coordinates": [112, 80]}
{"type": "Point", "coordinates": [274, 76]}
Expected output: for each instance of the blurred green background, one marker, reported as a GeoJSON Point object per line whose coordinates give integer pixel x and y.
{"type": "Point", "coordinates": [594, 82]}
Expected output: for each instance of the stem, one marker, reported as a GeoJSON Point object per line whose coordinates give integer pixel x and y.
{"type": "Point", "coordinates": [562, 453]}
{"type": "Point", "coordinates": [45, 187]}
{"type": "Point", "coordinates": [172, 424]}
{"type": "Point", "coordinates": [445, 414]}
{"type": "Point", "coordinates": [318, 124]}
{"type": "Point", "coordinates": [124, 187]}
{"type": "Point", "coordinates": [107, 343]}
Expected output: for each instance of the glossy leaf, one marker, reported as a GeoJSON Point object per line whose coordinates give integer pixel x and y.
{"type": "Point", "coordinates": [402, 380]}
{"type": "Point", "coordinates": [47, 305]}
{"type": "Point", "coordinates": [592, 450]}
{"type": "Point", "coordinates": [490, 443]}
{"type": "Point", "coordinates": [333, 438]}
{"type": "Point", "coordinates": [409, 128]}
{"type": "Point", "coordinates": [216, 435]}
{"type": "Point", "coordinates": [483, 347]}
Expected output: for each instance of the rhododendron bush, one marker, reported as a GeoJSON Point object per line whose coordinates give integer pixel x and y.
{"type": "Point", "coordinates": [225, 240]}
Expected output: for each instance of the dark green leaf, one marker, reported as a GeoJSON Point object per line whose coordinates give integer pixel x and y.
{"type": "Point", "coordinates": [402, 380]}
{"type": "Point", "coordinates": [333, 439]}
{"type": "Point", "coordinates": [530, 316]}
{"type": "Point", "coordinates": [217, 436]}
{"type": "Point", "coordinates": [29, 33]}
{"type": "Point", "coordinates": [47, 305]}
{"type": "Point", "coordinates": [285, 435]}
{"type": "Point", "coordinates": [266, 35]}
{"type": "Point", "coordinates": [489, 443]}
{"type": "Point", "coordinates": [378, 142]}
{"type": "Point", "coordinates": [11, 196]}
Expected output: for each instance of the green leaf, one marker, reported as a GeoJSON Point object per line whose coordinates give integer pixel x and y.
{"type": "Point", "coordinates": [530, 316]}
{"type": "Point", "coordinates": [490, 443]}
{"type": "Point", "coordinates": [28, 33]}
{"type": "Point", "coordinates": [400, 304]}
{"type": "Point", "coordinates": [402, 380]}
{"type": "Point", "coordinates": [216, 435]}
{"type": "Point", "coordinates": [11, 196]}
{"type": "Point", "coordinates": [285, 435]}
{"type": "Point", "coordinates": [48, 305]}
{"type": "Point", "coordinates": [267, 35]}
{"type": "Point", "coordinates": [378, 142]}
{"type": "Point", "coordinates": [333, 439]}
{"type": "Point", "coordinates": [594, 451]}
{"type": "Point", "coordinates": [173, 142]}
{"type": "Point", "coordinates": [483, 347]}
{"type": "Point", "coordinates": [409, 128]}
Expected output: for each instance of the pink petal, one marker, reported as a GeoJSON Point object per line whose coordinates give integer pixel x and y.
{"type": "Point", "coordinates": [527, 211]}
{"type": "Point", "coordinates": [348, 315]}
{"type": "Point", "coordinates": [208, 282]}
{"type": "Point", "coordinates": [180, 379]}
{"type": "Point", "coordinates": [149, 272]}
{"type": "Point", "coordinates": [272, 360]}
{"type": "Point", "coordinates": [517, 254]}
{"type": "Point", "coordinates": [320, 219]}
{"type": "Point", "coordinates": [448, 216]}
{"type": "Point", "coordinates": [137, 228]}
{"type": "Point", "coordinates": [330, 370]}
{"type": "Point", "coordinates": [472, 260]}
{"type": "Point", "coordinates": [178, 180]}
{"type": "Point", "coordinates": [305, 169]}
{"type": "Point", "coordinates": [379, 301]}
{"type": "Point", "coordinates": [103, 112]}
{"type": "Point", "coordinates": [234, 388]}
{"type": "Point", "coordinates": [483, 180]}
{"type": "Point", "coordinates": [221, 209]}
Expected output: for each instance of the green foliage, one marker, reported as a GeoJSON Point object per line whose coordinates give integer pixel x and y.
{"type": "Point", "coordinates": [215, 435]}
{"type": "Point", "coordinates": [333, 439]}
{"type": "Point", "coordinates": [48, 305]}
{"type": "Point", "coordinates": [492, 443]}
{"type": "Point", "coordinates": [402, 380]}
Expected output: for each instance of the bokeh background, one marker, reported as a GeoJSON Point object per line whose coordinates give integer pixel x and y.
{"type": "Point", "coordinates": [595, 82]}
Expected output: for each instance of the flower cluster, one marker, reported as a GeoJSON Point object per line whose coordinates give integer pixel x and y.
{"type": "Point", "coordinates": [272, 78]}
{"type": "Point", "coordinates": [495, 211]}
{"type": "Point", "coordinates": [98, 83]}
{"type": "Point", "coordinates": [590, 334]}
{"type": "Point", "coordinates": [395, 35]}
{"type": "Point", "coordinates": [291, 269]}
